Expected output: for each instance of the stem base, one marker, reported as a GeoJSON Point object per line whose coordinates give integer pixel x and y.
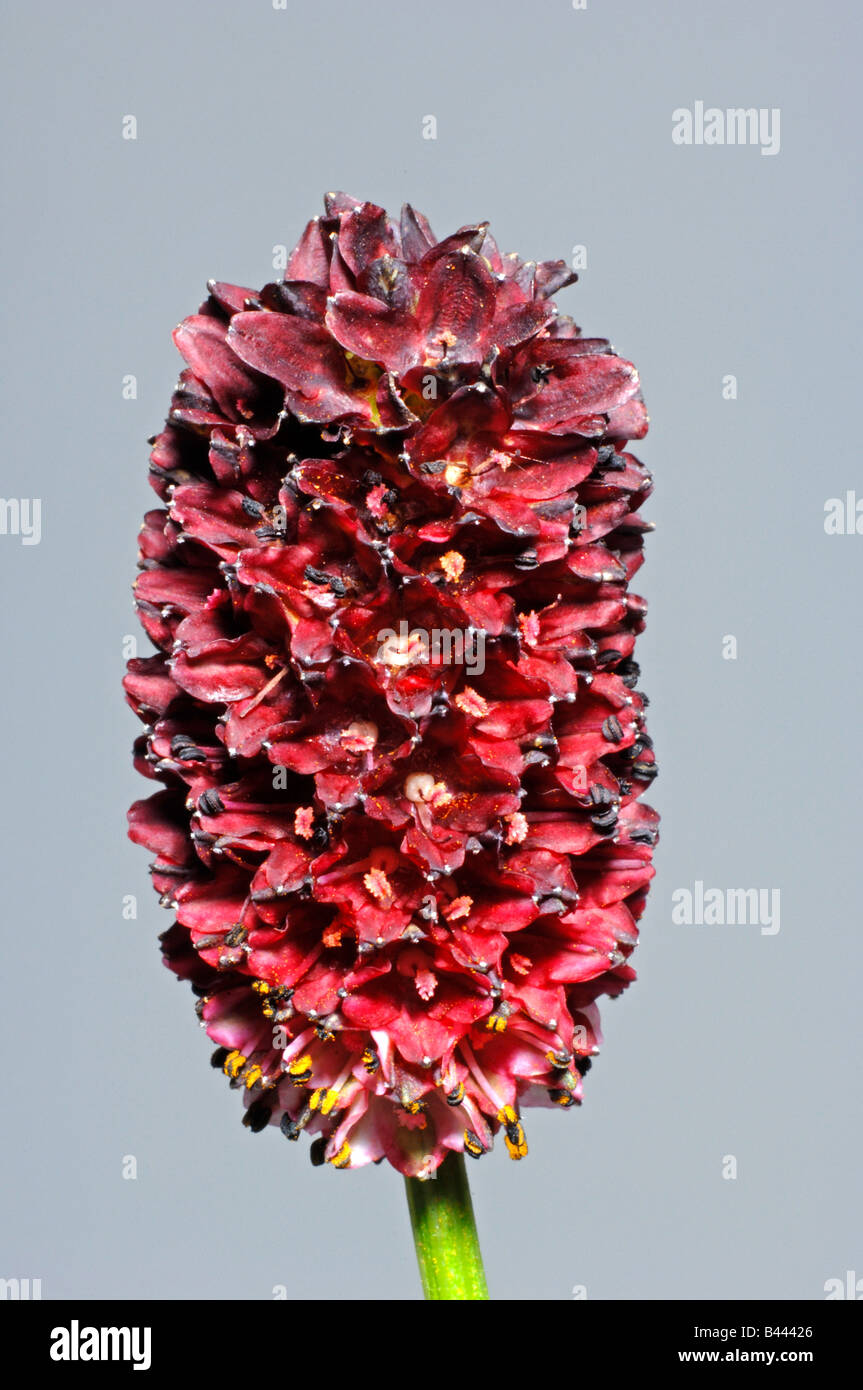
{"type": "Point", "coordinates": [445, 1235]}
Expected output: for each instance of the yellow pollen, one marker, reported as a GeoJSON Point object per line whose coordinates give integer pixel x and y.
{"type": "Point", "coordinates": [323, 1099]}
{"type": "Point", "coordinates": [517, 1146]}
{"type": "Point", "coordinates": [459, 907]}
{"type": "Point", "coordinates": [253, 1075]}
{"type": "Point", "coordinates": [300, 1067]}
{"type": "Point", "coordinates": [234, 1063]}
{"type": "Point", "coordinates": [472, 1144]}
{"type": "Point", "coordinates": [329, 1102]}
{"type": "Point", "coordinates": [452, 565]}
{"type": "Point", "coordinates": [343, 1157]}
{"type": "Point", "coordinates": [441, 795]}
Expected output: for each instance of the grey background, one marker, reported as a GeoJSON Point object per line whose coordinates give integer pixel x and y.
{"type": "Point", "coordinates": [555, 125]}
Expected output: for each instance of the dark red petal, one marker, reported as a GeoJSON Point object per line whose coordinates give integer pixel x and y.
{"type": "Point", "coordinates": [629, 421]}
{"type": "Point", "coordinates": [583, 386]}
{"type": "Point", "coordinates": [374, 331]}
{"type": "Point", "coordinates": [551, 276]}
{"type": "Point", "coordinates": [337, 202]}
{"type": "Point", "coordinates": [365, 235]}
{"type": "Point", "coordinates": [202, 342]}
{"type": "Point", "coordinates": [469, 238]}
{"type": "Point", "coordinates": [310, 258]}
{"type": "Point", "coordinates": [159, 824]}
{"type": "Point", "coordinates": [302, 357]}
{"type": "Point", "coordinates": [522, 321]}
{"type": "Point", "coordinates": [231, 298]}
{"type": "Point", "coordinates": [455, 309]}
{"type": "Point", "coordinates": [299, 297]}
{"type": "Point", "coordinates": [470, 411]}
{"type": "Point", "coordinates": [417, 236]}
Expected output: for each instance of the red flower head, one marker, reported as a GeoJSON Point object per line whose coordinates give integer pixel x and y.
{"type": "Point", "coordinates": [393, 706]}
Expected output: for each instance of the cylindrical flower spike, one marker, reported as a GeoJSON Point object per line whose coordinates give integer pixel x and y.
{"type": "Point", "coordinates": [393, 707]}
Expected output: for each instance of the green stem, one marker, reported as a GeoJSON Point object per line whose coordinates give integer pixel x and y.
{"type": "Point", "coordinates": [445, 1236]}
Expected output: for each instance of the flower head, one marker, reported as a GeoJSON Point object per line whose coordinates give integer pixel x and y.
{"type": "Point", "coordinates": [393, 705]}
